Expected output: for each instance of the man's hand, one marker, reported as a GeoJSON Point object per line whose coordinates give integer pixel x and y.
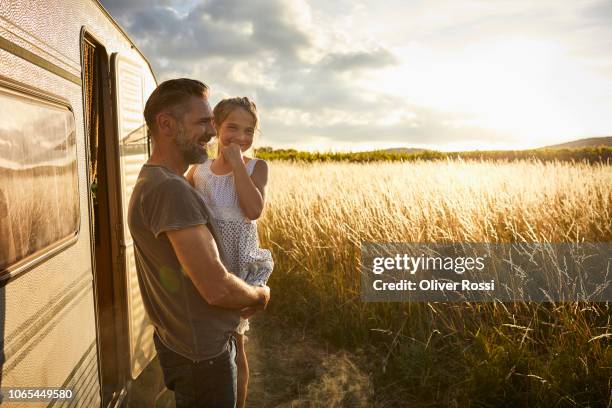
{"type": "Point", "coordinates": [264, 298]}
{"type": "Point", "coordinates": [233, 155]}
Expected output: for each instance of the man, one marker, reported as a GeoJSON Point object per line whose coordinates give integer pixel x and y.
{"type": "Point", "coordinates": [193, 301]}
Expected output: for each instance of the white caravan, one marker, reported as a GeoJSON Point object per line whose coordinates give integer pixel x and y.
{"type": "Point", "coordinates": [72, 140]}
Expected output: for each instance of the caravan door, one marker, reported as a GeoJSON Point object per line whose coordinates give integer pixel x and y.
{"type": "Point", "coordinates": [133, 82]}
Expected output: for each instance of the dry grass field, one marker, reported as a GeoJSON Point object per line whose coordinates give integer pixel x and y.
{"type": "Point", "coordinates": [442, 354]}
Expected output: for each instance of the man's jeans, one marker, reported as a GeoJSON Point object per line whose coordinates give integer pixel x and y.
{"type": "Point", "coordinates": [207, 383]}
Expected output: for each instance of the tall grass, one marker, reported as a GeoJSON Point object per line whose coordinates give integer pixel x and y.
{"type": "Point", "coordinates": [467, 354]}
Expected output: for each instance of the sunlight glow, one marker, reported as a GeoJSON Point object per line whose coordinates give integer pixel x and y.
{"type": "Point", "coordinates": [531, 89]}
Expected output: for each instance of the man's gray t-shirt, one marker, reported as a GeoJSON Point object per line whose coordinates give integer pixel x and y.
{"type": "Point", "coordinates": [185, 322]}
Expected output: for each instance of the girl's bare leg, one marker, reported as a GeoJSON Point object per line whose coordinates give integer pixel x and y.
{"type": "Point", "coordinates": [243, 370]}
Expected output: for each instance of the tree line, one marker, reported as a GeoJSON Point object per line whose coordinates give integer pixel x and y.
{"type": "Point", "coordinates": [600, 154]}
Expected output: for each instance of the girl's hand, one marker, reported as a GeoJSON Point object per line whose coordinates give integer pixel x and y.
{"type": "Point", "coordinates": [233, 155]}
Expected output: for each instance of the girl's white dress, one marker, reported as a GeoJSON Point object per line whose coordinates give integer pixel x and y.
{"type": "Point", "coordinates": [238, 235]}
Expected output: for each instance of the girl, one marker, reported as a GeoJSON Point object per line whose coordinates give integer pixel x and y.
{"type": "Point", "coordinates": [233, 187]}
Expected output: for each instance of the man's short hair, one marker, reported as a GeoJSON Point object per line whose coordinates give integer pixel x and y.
{"type": "Point", "coordinates": [172, 95]}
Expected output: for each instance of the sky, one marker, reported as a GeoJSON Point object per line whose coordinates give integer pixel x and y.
{"type": "Point", "coordinates": [361, 75]}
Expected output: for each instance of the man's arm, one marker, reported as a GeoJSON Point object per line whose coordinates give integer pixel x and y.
{"type": "Point", "coordinates": [197, 252]}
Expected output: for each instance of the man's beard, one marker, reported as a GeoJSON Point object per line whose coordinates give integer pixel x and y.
{"type": "Point", "coordinates": [191, 150]}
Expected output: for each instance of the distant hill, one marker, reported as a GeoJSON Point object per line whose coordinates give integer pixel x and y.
{"type": "Point", "coordinates": [588, 142]}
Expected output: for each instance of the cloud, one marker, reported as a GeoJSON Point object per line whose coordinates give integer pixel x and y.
{"type": "Point", "coordinates": [122, 10]}
{"type": "Point", "coordinates": [119, 7]}
{"type": "Point", "coordinates": [229, 29]}
{"type": "Point", "coordinates": [415, 126]}
{"type": "Point", "coordinates": [321, 70]}
{"type": "Point", "coordinates": [600, 11]}
{"type": "Point", "coordinates": [359, 60]}
{"type": "Point", "coordinates": [255, 48]}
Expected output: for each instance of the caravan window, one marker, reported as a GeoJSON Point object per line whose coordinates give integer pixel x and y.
{"type": "Point", "coordinates": [39, 199]}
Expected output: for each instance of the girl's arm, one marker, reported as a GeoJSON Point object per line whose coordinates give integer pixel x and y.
{"type": "Point", "coordinates": [251, 191]}
{"type": "Point", "coordinates": [189, 175]}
